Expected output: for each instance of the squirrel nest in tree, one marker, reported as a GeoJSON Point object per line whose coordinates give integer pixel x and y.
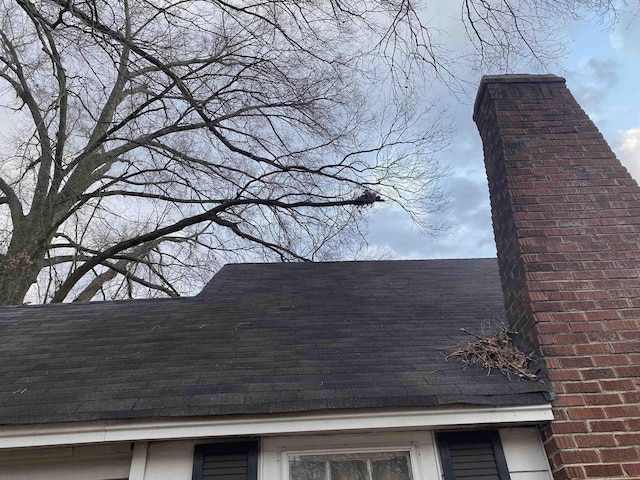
{"type": "Point", "coordinates": [496, 351]}
{"type": "Point", "coordinates": [367, 198]}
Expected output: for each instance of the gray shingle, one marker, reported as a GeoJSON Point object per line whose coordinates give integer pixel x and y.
{"type": "Point", "coordinates": [261, 338]}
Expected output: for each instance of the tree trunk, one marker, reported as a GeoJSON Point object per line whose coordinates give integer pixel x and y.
{"type": "Point", "coordinates": [23, 261]}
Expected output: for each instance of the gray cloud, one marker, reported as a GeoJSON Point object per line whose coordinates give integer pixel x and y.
{"type": "Point", "coordinates": [591, 83]}
{"type": "Point", "coordinates": [604, 71]}
{"type": "Point", "coordinates": [470, 236]}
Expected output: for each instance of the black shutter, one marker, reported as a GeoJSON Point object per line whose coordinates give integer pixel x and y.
{"type": "Point", "coordinates": [472, 455]}
{"type": "Point", "coordinates": [226, 461]}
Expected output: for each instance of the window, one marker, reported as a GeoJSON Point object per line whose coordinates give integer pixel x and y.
{"type": "Point", "coordinates": [408, 455]}
{"type": "Point", "coordinates": [372, 456]}
{"type": "Point", "coordinates": [354, 466]}
{"type": "Point", "coordinates": [226, 461]}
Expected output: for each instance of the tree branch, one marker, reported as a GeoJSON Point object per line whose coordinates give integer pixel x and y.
{"type": "Point", "coordinates": [113, 270]}
{"type": "Point", "coordinates": [210, 215]}
{"type": "Point", "coordinates": [11, 199]}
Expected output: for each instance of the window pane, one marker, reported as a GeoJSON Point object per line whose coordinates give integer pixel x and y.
{"type": "Point", "coordinates": [306, 469]}
{"type": "Point", "coordinates": [351, 466]}
{"type": "Point", "coordinates": [349, 470]}
{"type": "Point", "coordinates": [395, 468]}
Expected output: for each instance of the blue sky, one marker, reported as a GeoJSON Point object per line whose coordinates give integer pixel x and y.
{"type": "Point", "coordinates": [602, 68]}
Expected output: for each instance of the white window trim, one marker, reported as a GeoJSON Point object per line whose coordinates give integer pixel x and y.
{"type": "Point", "coordinates": [425, 463]}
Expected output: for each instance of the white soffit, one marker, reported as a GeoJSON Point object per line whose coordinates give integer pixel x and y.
{"type": "Point", "coordinates": [73, 433]}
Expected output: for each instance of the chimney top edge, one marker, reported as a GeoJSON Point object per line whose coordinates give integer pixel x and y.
{"type": "Point", "coordinates": [512, 78]}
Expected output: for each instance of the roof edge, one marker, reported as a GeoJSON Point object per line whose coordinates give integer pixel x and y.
{"type": "Point", "coordinates": [75, 433]}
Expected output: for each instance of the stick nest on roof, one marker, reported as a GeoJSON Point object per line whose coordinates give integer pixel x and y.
{"type": "Point", "coordinates": [496, 351]}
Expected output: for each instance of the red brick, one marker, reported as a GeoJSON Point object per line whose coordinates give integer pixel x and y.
{"type": "Point", "coordinates": [551, 449]}
{"type": "Point", "coordinates": [571, 338]}
{"type": "Point", "coordinates": [569, 472]}
{"type": "Point", "coordinates": [597, 373]}
{"type": "Point", "coordinates": [581, 305]}
{"type": "Point", "coordinates": [570, 400]}
{"type": "Point", "coordinates": [616, 325]}
{"type": "Point", "coordinates": [584, 387]}
{"type": "Point", "coordinates": [628, 439]}
{"type": "Point", "coordinates": [612, 303]}
{"type": "Point", "coordinates": [631, 397]}
{"type": "Point", "coordinates": [569, 427]}
{"type": "Point", "coordinates": [593, 440]}
{"type": "Point", "coordinates": [548, 327]}
{"type": "Point", "coordinates": [593, 294]}
{"type": "Point", "coordinates": [561, 295]}
{"type": "Point", "coordinates": [588, 327]}
{"type": "Point", "coordinates": [630, 313]}
{"type": "Point", "coordinates": [582, 455]}
{"type": "Point", "coordinates": [610, 360]}
{"type": "Point", "coordinates": [573, 362]}
{"type": "Point", "coordinates": [568, 317]}
{"type": "Point", "coordinates": [584, 413]}
{"type": "Point", "coordinates": [632, 335]}
{"type": "Point", "coordinates": [625, 347]}
{"type": "Point", "coordinates": [603, 315]}
{"type": "Point", "coordinates": [603, 336]}
{"type": "Point", "coordinates": [557, 350]}
{"type": "Point", "coordinates": [592, 349]}
{"type": "Point", "coordinates": [617, 385]}
{"type": "Point", "coordinates": [553, 362]}
{"type": "Point", "coordinates": [620, 455]}
{"type": "Point", "coordinates": [608, 426]}
{"type": "Point", "coordinates": [631, 371]}
{"type": "Point", "coordinates": [603, 471]}
{"type": "Point", "coordinates": [632, 469]}
{"type": "Point", "coordinates": [559, 442]}
{"type": "Point", "coordinates": [622, 411]}
{"type": "Point", "coordinates": [565, 374]}
{"type": "Point", "coordinates": [602, 399]}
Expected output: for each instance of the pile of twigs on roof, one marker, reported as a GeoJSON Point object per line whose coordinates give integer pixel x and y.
{"type": "Point", "coordinates": [496, 351]}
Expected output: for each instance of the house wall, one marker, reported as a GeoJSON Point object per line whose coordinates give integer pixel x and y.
{"type": "Point", "coordinates": [85, 462]}
{"type": "Point", "coordinates": [173, 460]}
{"type": "Point", "coordinates": [169, 460]}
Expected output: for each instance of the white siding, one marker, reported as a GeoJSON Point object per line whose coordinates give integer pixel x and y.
{"type": "Point", "coordinates": [170, 460]}
{"type": "Point", "coordinates": [88, 462]}
{"type": "Point", "coordinates": [525, 454]}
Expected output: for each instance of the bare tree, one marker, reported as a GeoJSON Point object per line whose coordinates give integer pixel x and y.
{"type": "Point", "coordinates": [156, 140]}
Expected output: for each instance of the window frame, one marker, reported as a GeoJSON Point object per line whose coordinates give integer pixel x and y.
{"type": "Point", "coordinates": [412, 451]}
{"type": "Point", "coordinates": [423, 455]}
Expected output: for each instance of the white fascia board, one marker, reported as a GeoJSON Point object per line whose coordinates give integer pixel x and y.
{"type": "Point", "coordinates": [74, 433]}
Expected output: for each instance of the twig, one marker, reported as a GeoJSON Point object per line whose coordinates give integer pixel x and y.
{"type": "Point", "coordinates": [496, 351]}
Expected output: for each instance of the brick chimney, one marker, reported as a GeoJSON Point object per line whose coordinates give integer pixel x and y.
{"type": "Point", "coordinates": [566, 217]}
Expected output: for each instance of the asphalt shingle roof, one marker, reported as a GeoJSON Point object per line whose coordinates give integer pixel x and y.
{"type": "Point", "coordinates": [262, 338]}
